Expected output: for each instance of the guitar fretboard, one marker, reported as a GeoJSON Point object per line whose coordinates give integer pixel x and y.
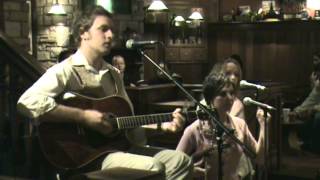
{"type": "Point", "coordinates": [137, 121]}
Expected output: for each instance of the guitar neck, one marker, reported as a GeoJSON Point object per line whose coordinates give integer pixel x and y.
{"type": "Point", "coordinates": [137, 121]}
{"type": "Point", "coordinates": [140, 120]}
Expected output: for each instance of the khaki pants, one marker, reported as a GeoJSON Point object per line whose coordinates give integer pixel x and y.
{"type": "Point", "coordinates": [173, 165]}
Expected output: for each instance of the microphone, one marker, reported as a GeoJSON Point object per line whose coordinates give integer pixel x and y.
{"type": "Point", "coordinates": [244, 83]}
{"type": "Point", "coordinates": [131, 43]}
{"type": "Point", "coordinates": [248, 101]}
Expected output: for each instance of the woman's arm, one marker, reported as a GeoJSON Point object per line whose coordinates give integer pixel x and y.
{"type": "Point", "coordinates": [258, 146]}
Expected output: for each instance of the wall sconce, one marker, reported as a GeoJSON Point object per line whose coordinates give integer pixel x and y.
{"type": "Point", "coordinates": [196, 14]}
{"type": "Point", "coordinates": [157, 5]}
{"type": "Point", "coordinates": [57, 9]}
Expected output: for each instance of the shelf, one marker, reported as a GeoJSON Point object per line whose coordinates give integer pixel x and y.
{"type": "Point", "coordinates": [271, 22]}
{"type": "Point", "coordinates": [294, 24]}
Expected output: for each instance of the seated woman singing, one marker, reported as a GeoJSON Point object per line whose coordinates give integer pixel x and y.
{"type": "Point", "coordinates": [199, 138]}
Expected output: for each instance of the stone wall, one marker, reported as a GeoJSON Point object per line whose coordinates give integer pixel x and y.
{"type": "Point", "coordinates": [52, 30]}
{"type": "Point", "coordinates": [15, 17]}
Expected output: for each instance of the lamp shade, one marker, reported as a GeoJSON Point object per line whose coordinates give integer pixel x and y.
{"type": "Point", "coordinates": [196, 16]}
{"type": "Point", "coordinates": [157, 5]}
{"type": "Point", "coordinates": [179, 19]}
{"type": "Point", "coordinates": [57, 9]}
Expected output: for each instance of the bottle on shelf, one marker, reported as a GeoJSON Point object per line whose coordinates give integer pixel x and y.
{"type": "Point", "coordinates": [271, 14]}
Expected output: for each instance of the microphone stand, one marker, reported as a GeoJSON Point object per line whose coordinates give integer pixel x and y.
{"type": "Point", "coordinates": [219, 134]}
{"type": "Point", "coordinates": [266, 140]}
{"type": "Point", "coordinates": [212, 115]}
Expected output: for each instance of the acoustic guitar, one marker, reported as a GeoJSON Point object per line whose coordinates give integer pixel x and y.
{"type": "Point", "coordinates": [72, 146]}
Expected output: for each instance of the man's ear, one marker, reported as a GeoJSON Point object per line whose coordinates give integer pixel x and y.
{"type": "Point", "coordinates": [85, 36]}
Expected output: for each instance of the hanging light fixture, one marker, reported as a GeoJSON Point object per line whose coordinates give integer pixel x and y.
{"type": "Point", "coordinates": [157, 5]}
{"type": "Point", "coordinates": [57, 9]}
{"type": "Point", "coordinates": [196, 15]}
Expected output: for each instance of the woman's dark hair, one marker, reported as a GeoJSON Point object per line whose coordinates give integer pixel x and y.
{"type": "Point", "coordinates": [238, 59]}
{"type": "Point", "coordinates": [85, 19]}
{"type": "Point", "coordinates": [220, 66]}
{"type": "Point", "coordinates": [213, 84]}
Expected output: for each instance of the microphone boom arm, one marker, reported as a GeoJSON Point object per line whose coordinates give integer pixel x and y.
{"type": "Point", "coordinates": [210, 113]}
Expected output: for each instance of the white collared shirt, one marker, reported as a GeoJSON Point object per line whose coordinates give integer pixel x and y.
{"type": "Point", "coordinates": [64, 77]}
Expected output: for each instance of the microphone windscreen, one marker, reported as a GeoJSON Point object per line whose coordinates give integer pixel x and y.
{"type": "Point", "coordinates": [246, 100]}
{"type": "Point", "coordinates": [129, 43]}
{"type": "Point", "coordinates": [243, 83]}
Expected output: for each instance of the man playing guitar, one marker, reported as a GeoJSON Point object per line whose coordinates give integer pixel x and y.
{"type": "Point", "coordinates": [86, 73]}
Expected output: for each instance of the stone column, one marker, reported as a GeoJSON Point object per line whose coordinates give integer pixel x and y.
{"type": "Point", "coordinates": [53, 30]}
{"type": "Point", "coordinates": [16, 26]}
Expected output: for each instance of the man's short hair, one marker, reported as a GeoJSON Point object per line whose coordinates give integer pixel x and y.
{"type": "Point", "coordinates": [84, 20]}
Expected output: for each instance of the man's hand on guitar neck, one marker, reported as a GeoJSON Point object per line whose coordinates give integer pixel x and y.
{"type": "Point", "coordinates": [176, 124]}
{"type": "Point", "coordinates": [97, 121]}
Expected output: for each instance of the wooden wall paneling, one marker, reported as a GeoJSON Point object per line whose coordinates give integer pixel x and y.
{"type": "Point", "coordinates": [153, 32]}
{"type": "Point", "coordinates": [149, 69]}
{"type": "Point", "coordinates": [236, 42]}
{"type": "Point", "coordinates": [239, 43]}
{"type": "Point", "coordinates": [278, 51]}
{"type": "Point", "coordinates": [263, 49]}
{"type": "Point", "coordinates": [224, 46]}
{"type": "Point", "coordinates": [257, 53]}
{"type": "Point", "coordinates": [298, 56]}
{"type": "Point", "coordinates": [303, 55]}
{"type": "Point", "coordinates": [212, 43]}
{"type": "Point", "coordinates": [187, 54]}
{"type": "Point", "coordinates": [201, 54]}
{"type": "Point", "coordinates": [269, 64]}
{"type": "Point", "coordinates": [248, 55]}
{"type": "Point", "coordinates": [172, 54]}
{"type": "Point", "coordinates": [191, 72]}
{"type": "Point", "coordinates": [143, 96]}
{"type": "Point", "coordinates": [283, 62]}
